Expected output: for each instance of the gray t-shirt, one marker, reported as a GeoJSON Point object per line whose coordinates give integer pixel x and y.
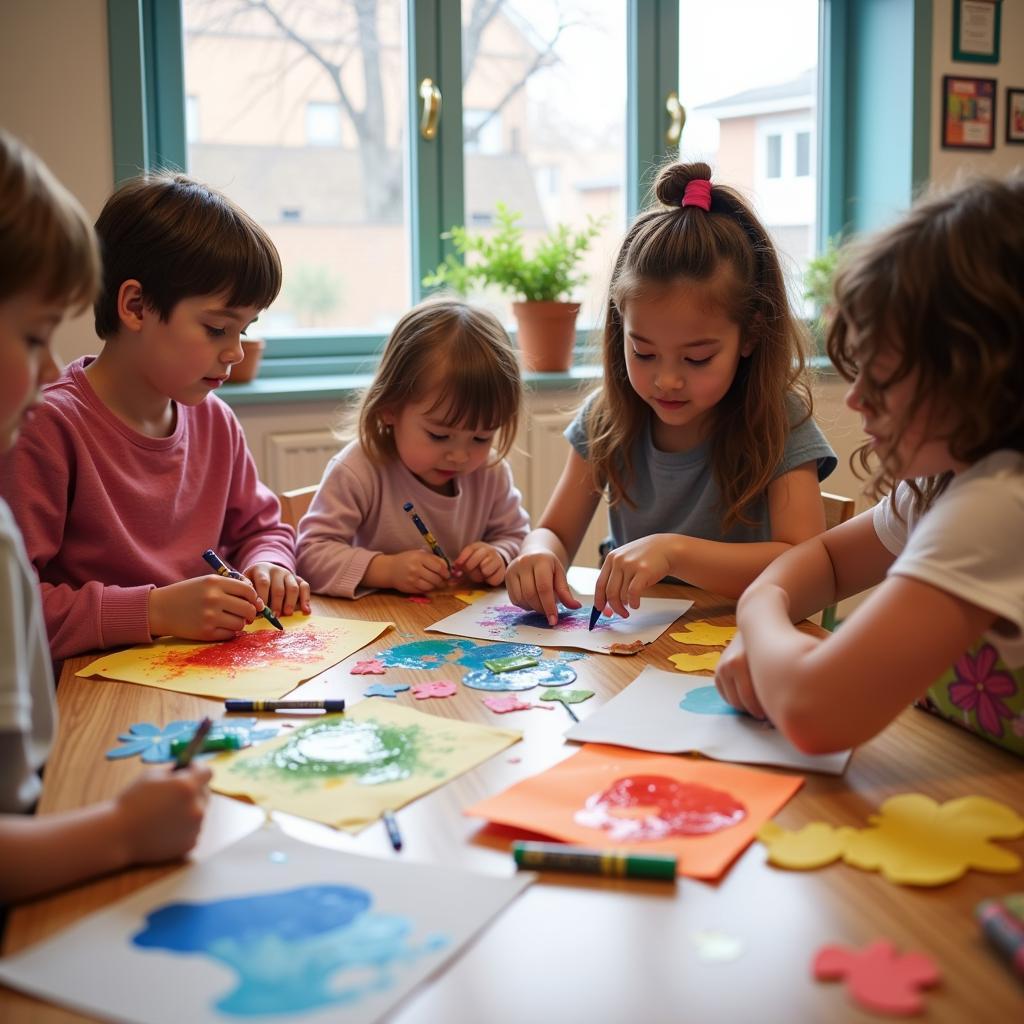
{"type": "Point", "coordinates": [674, 492]}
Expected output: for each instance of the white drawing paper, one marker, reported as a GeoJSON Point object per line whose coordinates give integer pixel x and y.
{"type": "Point", "coordinates": [269, 929]}
{"type": "Point", "coordinates": [496, 618]}
{"type": "Point", "coordinates": [669, 713]}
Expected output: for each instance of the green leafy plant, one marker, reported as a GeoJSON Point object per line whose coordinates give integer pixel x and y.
{"type": "Point", "coordinates": [819, 273]}
{"type": "Point", "coordinates": [550, 274]}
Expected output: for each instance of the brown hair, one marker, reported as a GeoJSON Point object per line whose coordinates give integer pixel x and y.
{"type": "Point", "coordinates": [671, 244]}
{"type": "Point", "coordinates": [463, 350]}
{"type": "Point", "coordinates": [46, 240]}
{"type": "Point", "coordinates": [180, 238]}
{"type": "Point", "coordinates": [944, 288]}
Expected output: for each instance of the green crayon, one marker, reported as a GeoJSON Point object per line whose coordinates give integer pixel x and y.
{"type": "Point", "coordinates": [615, 863]}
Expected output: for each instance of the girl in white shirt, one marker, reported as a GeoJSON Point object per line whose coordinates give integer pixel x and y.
{"type": "Point", "coordinates": [929, 330]}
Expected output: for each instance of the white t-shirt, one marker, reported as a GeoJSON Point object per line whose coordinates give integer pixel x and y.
{"type": "Point", "coordinates": [27, 707]}
{"type": "Point", "coordinates": [970, 543]}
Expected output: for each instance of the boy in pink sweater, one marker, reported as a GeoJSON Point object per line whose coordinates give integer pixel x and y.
{"type": "Point", "coordinates": [132, 468]}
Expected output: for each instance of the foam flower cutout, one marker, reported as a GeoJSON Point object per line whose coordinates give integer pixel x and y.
{"type": "Point", "coordinates": [369, 667]}
{"type": "Point", "coordinates": [980, 687]}
{"type": "Point", "coordinates": [469, 596]}
{"type": "Point", "coordinates": [385, 689]}
{"type": "Point", "coordinates": [916, 841]}
{"type": "Point", "coordinates": [813, 846]}
{"type": "Point", "coordinates": [567, 696]}
{"type": "Point", "coordinates": [441, 688]}
{"type": "Point", "coordinates": [877, 977]}
{"type": "Point", "coordinates": [503, 705]}
{"type": "Point", "coordinates": [154, 742]}
{"type": "Point", "coordinates": [704, 634]}
{"type": "Point", "coordinates": [695, 662]}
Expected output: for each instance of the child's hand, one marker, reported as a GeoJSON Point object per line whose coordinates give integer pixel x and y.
{"type": "Point", "coordinates": [537, 581]}
{"type": "Point", "coordinates": [204, 608]}
{"type": "Point", "coordinates": [159, 815]}
{"type": "Point", "coordinates": [628, 571]}
{"type": "Point", "coordinates": [732, 678]}
{"type": "Point", "coordinates": [481, 563]}
{"type": "Point", "coordinates": [279, 588]}
{"type": "Point", "coordinates": [413, 572]}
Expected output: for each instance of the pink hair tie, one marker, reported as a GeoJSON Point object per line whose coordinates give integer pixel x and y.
{"type": "Point", "coordinates": [697, 193]}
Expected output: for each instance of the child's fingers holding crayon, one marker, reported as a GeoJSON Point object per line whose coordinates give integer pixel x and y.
{"type": "Point", "coordinates": [204, 608]}
{"type": "Point", "coordinates": [733, 680]}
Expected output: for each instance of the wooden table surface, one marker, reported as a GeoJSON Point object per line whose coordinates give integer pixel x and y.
{"type": "Point", "coordinates": [577, 948]}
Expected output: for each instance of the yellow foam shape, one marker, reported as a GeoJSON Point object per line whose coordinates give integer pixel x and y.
{"type": "Point", "coordinates": [813, 846]}
{"type": "Point", "coordinates": [469, 596]}
{"type": "Point", "coordinates": [705, 634]}
{"type": "Point", "coordinates": [916, 841]}
{"type": "Point", "coordinates": [695, 662]}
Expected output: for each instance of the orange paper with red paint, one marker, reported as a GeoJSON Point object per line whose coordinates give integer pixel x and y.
{"type": "Point", "coordinates": [704, 812]}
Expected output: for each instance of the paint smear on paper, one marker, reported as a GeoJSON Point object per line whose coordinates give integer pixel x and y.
{"type": "Point", "coordinates": [290, 950]}
{"type": "Point", "coordinates": [503, 620]}
{"type": "Point", "coordinates": [647, 808]}
{"type": "Point", "coordinates": [422, 654]}
{"type": "Point", "coordinates": [261, 649]}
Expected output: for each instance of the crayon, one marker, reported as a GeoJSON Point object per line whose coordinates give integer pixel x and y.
{"type": "Point", "coordinates": [214, 561]}
{"type": "Point", "coordinates": [429, 539]}
{"type": "Point", "coordinates": [194, 745]}
{"type": "Point", "coordinates": [284, 705]}
{"type": "Point", "coordinates": [595, 614]}
{"type": "Point", "coordinates": [219, 741]}
{"type": "Point", "coordinates": [1002, 921]}
{"type": "Point", "coordinates": [391, 824]}
{"type": "Point", "coordinates": [616, 863]}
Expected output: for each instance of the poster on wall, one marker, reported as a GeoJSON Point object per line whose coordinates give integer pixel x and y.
{"type": "Point", "coordinates": [968, 112]}
{"type": "Point", "coordinates": [976, 30]}
{"type": "Point", "coordinates": [1015, 117]}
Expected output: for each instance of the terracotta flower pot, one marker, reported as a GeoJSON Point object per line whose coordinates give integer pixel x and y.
{"type": "Point", "coordinates": [547, 334]}
{"type": "Point", "coordinates": [246, 370]}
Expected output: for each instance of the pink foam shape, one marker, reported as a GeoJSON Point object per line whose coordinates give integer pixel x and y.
{"type": "Point", "coordinates": [441, 688]}
{"type": "Point", "coordinates": [877, 977]}
{"type": "Point", "coordinates": [369, 667]}
{"type": "Point", "coordinates": [503, 705]}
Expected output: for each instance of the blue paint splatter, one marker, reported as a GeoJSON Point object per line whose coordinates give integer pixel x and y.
{"type": "Point", "coordinates": [547, 673]}
{"type": "Point", "coordinates": [486, 652]}
{"type": "Point", "coordinates": [705, 700]}
{"type": "Point", "coordinates": [571, 655]}
{"type": "Point", "coordinates": [287, 948]}
{"type": "Point", "coordinates": [422, 654]}
{"type": "Point", "coordinates": [385, 689]}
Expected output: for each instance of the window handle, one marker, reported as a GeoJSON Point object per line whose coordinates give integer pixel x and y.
{"type": "Point", "coordinates": [431, 117]}
{"type": "Point", "coordinates": [677, 115]}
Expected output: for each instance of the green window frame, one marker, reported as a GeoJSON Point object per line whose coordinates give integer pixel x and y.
{"type": "Point", "coordinates": [872, 143]}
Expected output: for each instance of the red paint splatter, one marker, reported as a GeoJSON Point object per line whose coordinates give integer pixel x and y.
{"type": "Point", "coordinates": [651, 807]}
{"type": "Point", "coordinates": [262, 648]}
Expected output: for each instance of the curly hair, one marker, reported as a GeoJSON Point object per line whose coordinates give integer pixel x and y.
{"type": "Point", "coordinates": [670, 245]}
{"type": "Point", "coordinates": [943, 289]}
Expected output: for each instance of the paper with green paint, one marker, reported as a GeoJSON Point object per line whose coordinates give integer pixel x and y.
{"type": "Point", "coordinates": [344, 770]}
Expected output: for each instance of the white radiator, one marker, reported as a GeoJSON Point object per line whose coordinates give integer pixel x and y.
{"type": "Point", "coordinates": [297, 460]}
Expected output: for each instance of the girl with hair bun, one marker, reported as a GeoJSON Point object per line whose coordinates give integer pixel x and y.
{"type": "Point", "coordinates": [700, 437]}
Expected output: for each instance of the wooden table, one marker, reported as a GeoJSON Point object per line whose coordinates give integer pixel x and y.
{"type": "Point", "coordinates": [587, 949]}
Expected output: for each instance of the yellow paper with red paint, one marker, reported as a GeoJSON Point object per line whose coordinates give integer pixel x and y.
{"type": "Point", "coordinates": [704, 812]}
{"type": "Point", "coordinates": [263, 663]}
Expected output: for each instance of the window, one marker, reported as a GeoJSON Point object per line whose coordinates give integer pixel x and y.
{"type": "Point", "coordinates": [323, 124]}
{"type": "Point", "coordinates": [481, 131]}
{"type": "Point", "coordinates": [803, 154]}
{"type": "Point", "coordinates": [773, 156]}
{"type": "Point", "coordinates": [192, 119]}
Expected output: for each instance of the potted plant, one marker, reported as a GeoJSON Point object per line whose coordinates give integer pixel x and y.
{"type": "Point", "coordinates": [818, 277]}
{"type": "Point", "coordinates": [543, 282]}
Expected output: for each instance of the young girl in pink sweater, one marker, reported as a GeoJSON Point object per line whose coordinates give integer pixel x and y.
{"type": "Point", "coordinates": [434, 428]}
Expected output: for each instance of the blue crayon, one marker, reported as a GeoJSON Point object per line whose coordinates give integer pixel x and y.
{"type": "Point", "coordinates": [595, 614]}
{"type": "Point", "coordinates": [214, 561]}
{"type": "Point", "coordinates": [428, 537]}
{"type": "Point", "coordinates": [391, 824]}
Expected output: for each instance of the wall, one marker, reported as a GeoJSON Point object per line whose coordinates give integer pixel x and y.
{"type": "Point", "coordinates": [948, 164]}
{"type": "Point", "coordinates": [55, 96]}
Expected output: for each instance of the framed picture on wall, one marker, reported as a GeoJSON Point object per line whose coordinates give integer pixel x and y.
{"type": "Point", "coordinates": [1015, 116]}
{"type": "Point", "coordinates": [968, 112]}
{"type": "Point", "coordinates": [976, 30]}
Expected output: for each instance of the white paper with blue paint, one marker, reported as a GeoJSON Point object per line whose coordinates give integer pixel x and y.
{"type": "Point", "coordinates": [495, 617]}
{"type": "Point", "coordinates": [669, 713]}
{"type": "Point", "coordinates": [268, 929]}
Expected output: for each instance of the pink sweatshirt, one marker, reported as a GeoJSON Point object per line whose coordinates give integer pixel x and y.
{"type": "Point", "coordinates": [357, 513]}
{"type": "Point", "coordinates": [108, 514]}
